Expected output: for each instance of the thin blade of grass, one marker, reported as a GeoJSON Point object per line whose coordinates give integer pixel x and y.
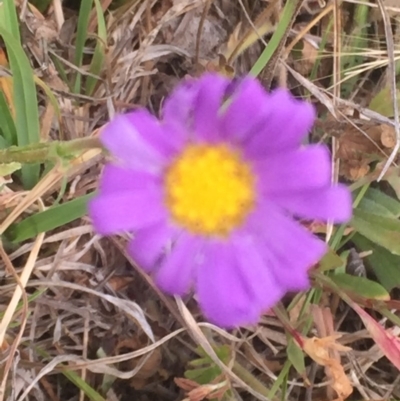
{"type": "Point", "coordinates": [360, 286]}
{"type": "Point", "coordinates": [385, 265]}
{"type": "Point", "coordinates": [8, 129]}
{"type": "Point", "coordinates": [81, 36]}
{"type": "Point", "coordinates": [278, 38]}
{"type": "Point", "coordinates": [48, 220]}
{"type": "Point", "coordinates": [61, 71]}
{"type": "Point", "coordinates": [10, 19]}
{"type": "Point", "coordinates": [90, 392]}
{"type": "Point", "coordinates": [99, 52]}
{"type": "Point", "coordinates": [49, 93]}
{"type": "Point", "coordinates": [31, 298]}
{"type": "Point", "coordinates": [382, 230]}
{"type": "Point", "coordinates": [26, 104]}
{"type": "Point", "coordinates": [356, 40]}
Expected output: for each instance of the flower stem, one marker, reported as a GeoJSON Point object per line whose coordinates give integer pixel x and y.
{"type": "Point", "coordinates": [47, 151]}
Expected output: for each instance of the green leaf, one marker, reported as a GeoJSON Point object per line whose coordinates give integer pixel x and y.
{"type": "Point", "coordinates": [394, 181]}
{"type": "Point", "coordinates": [3, 143]}
{"type": "Point", "coordinates": [279, 34]}
{"type": "Point", "coordinates": [49, 93]}
{"type": "Point", "coordinates": [205, 370]}
{"type": "Point", "coordinates": [8, 129]}
{"type": "Point", "coordinates": [296, 357]}
{"type": "Point", "coordinates": [99, 51]}
{"type": "Point", "coordinates": [382, 230]}
{"type": "Point", "coordinates": [377, 202]}
{"type": "Point", "coordinates": [74, 378]}
{"type": "Point", "coordinates": [357, 39]}
{"type": "Point", "coordinates": [81, 36]}
{"type": "Point", "coordinates": [49, 219]}
{"type": "Point", "coordinates": [382, 102]}
{"type": "Point", "coordinates": [10, 19]}
{"type": "Point", "coordinates": [385, 265]}
{"type": "Point", "coordinates": [330, 261]}
{"type": "Point", "coordinates": [360, 286]}
{"type": "Point", "coordinates": [107, 380]}
{"type": "Point", "coordinates": [61, 71]}
{"type": "Point", "coordinates": [90, 392]}
{"type": "Point", "coordinates": [9, 168]}
{"type": "Point", "coordinates": [26, 104]}
{"type": "Point", "coordinates": [31, 298]}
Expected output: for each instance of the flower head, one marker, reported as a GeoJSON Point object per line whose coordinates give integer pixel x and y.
{"type": "Point", "coordinates": [211, 193]}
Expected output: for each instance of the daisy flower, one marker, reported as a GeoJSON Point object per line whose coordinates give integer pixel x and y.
{"type": "Point", "coordinates": [212, 193]}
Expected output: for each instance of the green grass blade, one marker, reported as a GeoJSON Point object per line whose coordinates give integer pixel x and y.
{"type": "Point", "coordinates": [53, 100]}
{"type": "Point", "coordinates": [276, 39]}
{"type": "Point", "coordinates": [81, 36]}
{"type": "Point", "coordinates": [357, 41]}
{"type": "Point", "coordinates": [99, 52]}
{"type": "Point", "coordinates": [377, 202]}
{"type": "Point", "coordinates": [61, 71]}
{"type": "Point", "coordinates": [26, 104]}
{"type": "Point", "coordinates": [321, 50]}
{"type": "Point", "coordinates": [7, 128]}
{"type": "Point", "coordinates": [360, 286]}
{"type": "Point", "coordinates": [74, 378]}
{"type": "Point", "coordinates": [296, 356]}
{"type": "Point", "coordinates": [90, 392]}
{"type": "Point", "coordinates": [48, 220]}
{"type": "Point", "coordinates": [385, 264]}
{"type": "Point", "coordinates": [382, 230]}
{"type": "Point", "coordinates": [31, 298]}
{"type": "Point", "coordinates": [3, 143]}
{"type": "Point", "coordinates": [10, 19]}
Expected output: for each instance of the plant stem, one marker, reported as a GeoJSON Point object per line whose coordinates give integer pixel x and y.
{"type": "Point", "coordinates": [287, 326]}
{"type": "Point", "coordinates": [48, 151]}
{"type": "Point", "coordinates": [251, 380]}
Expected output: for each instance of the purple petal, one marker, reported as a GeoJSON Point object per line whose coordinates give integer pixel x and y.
{"type": "Point", "coordinates": [120, 179]}
{"type": "Point", "coordinates": [159, 137]}
{"type": "Point", "coordinates": [113, 213]}
{"type": "Point", "coordinates": [286, 246]}
{"type": "Point", "coordinates": [212, 89]}
{"type": "Point", "coordinates": [246, 110]}
{"type": "Point", "coordinates": [297, 170]}
{"type": "Point", "coordinates": [177, 137]}
{"type": "Point", "coordinates": [176, 274]}
{"type": "Point", "coordinates": [224, 295]}
{"type": "Point", "coordinates": [257, 274]}
{"type": "Point", "coordinates": [333, 203]}
{"type": "Point", "coordinates": [178, 107]}
{"type": "Point", "coordinates": [286, 124]}
{"type": "Point", "coordinates": [138, 140]}
{"type": "Point", "coordinates": [150, 244]}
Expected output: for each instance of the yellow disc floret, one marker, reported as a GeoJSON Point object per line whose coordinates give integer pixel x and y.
{"type": "Point", "coordinates": [209, 189]}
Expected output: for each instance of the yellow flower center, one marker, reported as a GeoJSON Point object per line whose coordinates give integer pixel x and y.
{"type": "Point", "coordinates": [209, 189]}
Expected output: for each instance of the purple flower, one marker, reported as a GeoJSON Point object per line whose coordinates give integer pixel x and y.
{"type": "Point", "coordinates": [210, 190]}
